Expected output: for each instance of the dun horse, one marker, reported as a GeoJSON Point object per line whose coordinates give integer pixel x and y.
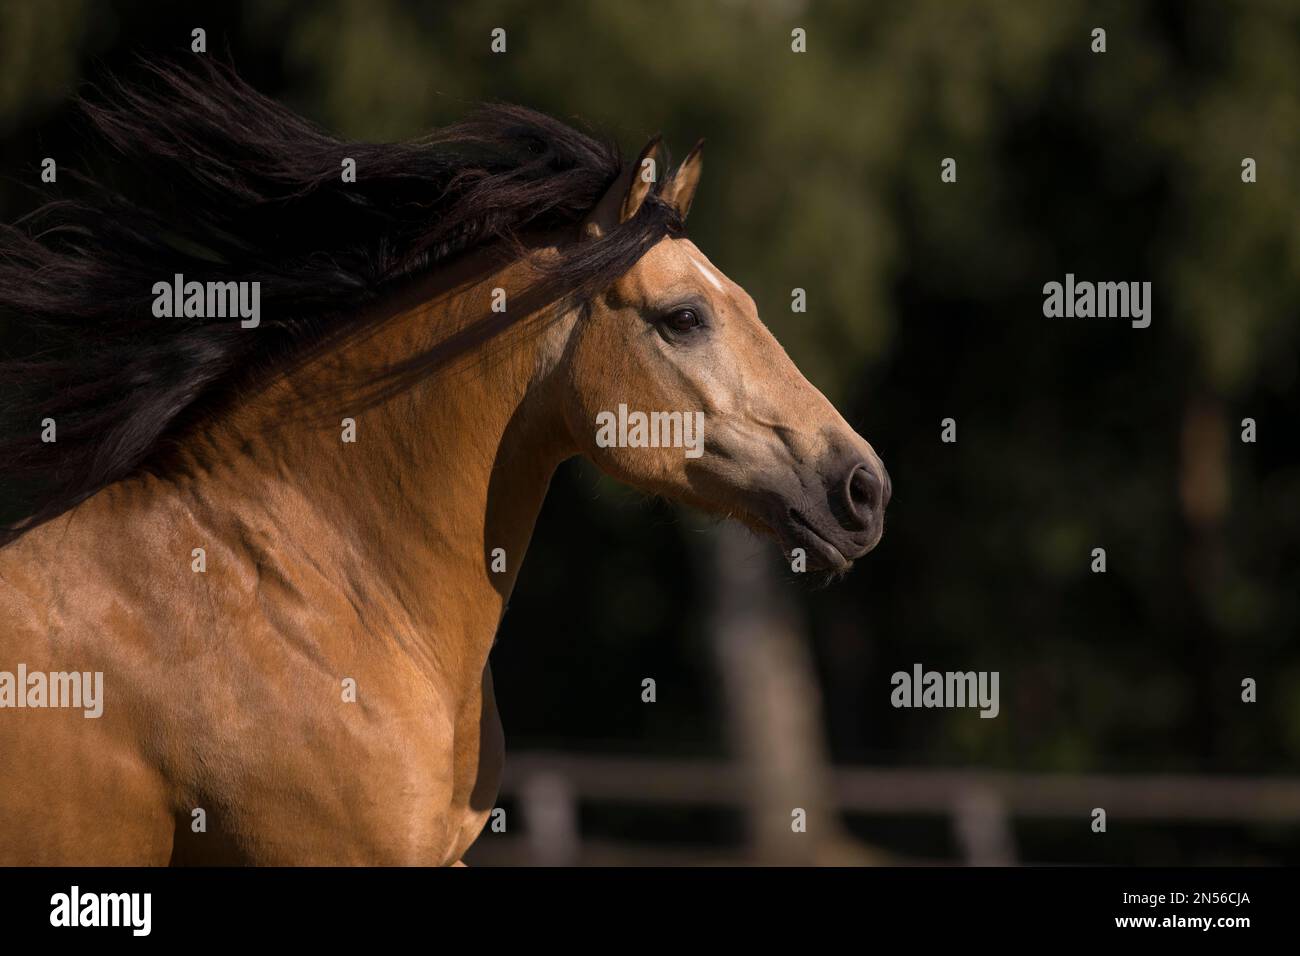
{"type": "Point", "coordinates": [287, 544]}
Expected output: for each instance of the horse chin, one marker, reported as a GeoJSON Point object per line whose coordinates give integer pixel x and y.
{"type": "Point", "coordinates": [818, 580]}
{"type": "Point", "coordinates": [823, 562]}
{"type": "Point", "coordinates": [823, 555]}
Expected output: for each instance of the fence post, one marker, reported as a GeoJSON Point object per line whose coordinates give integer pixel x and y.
{"type": "Point", "coordinates": [982, 828]}
{"type": "Point", "coordinates": [550, 809]}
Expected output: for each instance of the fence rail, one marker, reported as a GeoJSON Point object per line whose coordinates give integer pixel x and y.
{"type": "Point", "coordinates": [549, 788]}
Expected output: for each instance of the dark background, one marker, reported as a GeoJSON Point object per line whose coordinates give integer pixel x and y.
{"type": "Point", "coordinates": [924, 302]}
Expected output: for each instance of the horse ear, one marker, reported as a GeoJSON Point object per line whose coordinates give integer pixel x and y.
{"type": "Point", "coordinates": [680, 190]}
{"type": "Point", "coordinates": [626, 194]}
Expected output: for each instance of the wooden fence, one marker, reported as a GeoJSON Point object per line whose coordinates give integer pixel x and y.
{"type": "Point", "coordinates": [547, 790]}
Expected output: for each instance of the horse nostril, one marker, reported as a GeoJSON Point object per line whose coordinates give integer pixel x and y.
{"type": "Point", "coordinates": [864, 493]}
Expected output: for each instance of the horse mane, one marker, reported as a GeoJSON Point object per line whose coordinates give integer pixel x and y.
{"type": "Point", "coordinates": [229, 185]}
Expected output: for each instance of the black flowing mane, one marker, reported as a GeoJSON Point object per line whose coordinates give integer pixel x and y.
{"type": "Point", "coordinates": [231, 186]}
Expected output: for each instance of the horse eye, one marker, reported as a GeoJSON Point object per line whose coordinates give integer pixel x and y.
{"type": "Point", "coordinates": [683, 320]}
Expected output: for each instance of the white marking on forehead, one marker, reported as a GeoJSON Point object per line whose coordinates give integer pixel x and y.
{"type": "Point", "coordinates": [707, 273]}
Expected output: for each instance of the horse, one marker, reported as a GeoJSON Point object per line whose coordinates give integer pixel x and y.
{"type": "Point", "coordinates": [287, 545]}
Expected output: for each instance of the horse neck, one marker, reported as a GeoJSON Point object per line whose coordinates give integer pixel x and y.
{"type": "Point", "coordinates": [408, 518]}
